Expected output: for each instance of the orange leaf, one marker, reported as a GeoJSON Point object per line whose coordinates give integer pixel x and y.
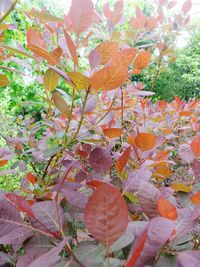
{"type": "Point", "coordinates": [195, 199]}
{"type": "Point", "coordinates": [123, 57]}
{"type": "Point", "coordinates": [109, 78]}
{"type": "Point", "coordinates": [185, 113]}
{"type": "Point", "coordinates": [162, 104]}
{"type": "Point", "coordinates": [195, 145]}
{"type": "Point", "coordinates": [162, 172]}
{"type": "Point", "coordinates": [142, 60]}
{"type": "Point", "coordinates": [131, 140]}
{"type": "Point", "coordinates": [112, 132]}
{"type": "Point", "coordinates": [4, 80]}
{"type": "Point", "coordinates": [145, 141]}
{"type": "Point", "coordinates": [138, 250]}
{"type": "Point", "coordinates": [122, 160]}
{"type": "Point", "coordinates": [44, 54]}
{"type": "Point", "coordinates": [3, 162]}
{"type": "Point", "coordinates": [180, 187]}
{"type": "Point", "coordinates": [106, 50]}
{"type": "Point", "coordinates": [166, 209]}
{"type": "Point", "coordinates": [31, 178]}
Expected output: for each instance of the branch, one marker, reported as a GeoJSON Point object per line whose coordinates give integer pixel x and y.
{"type": "Point", "coordinates": [9, 10]}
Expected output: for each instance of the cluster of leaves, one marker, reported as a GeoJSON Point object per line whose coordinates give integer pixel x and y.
{"type": "Point", "coordinates": [102, 189]}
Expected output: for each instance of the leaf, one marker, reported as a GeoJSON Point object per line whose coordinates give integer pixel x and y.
{"type": "Point", "coordinates": [195, 198]}
{"type": "Point", "coordinates": [162, 172]}
{"type": "Point", "coordinates": [118, 12]}
{"type": "Point", "coordinates": [61, 104]}
{"type": "Point", "coordinates": [4, 80]}
{"type": "Point", "coordinates": [74, 197]}
{"type": "Point", "coordinates": [112, 132]}
{"type": "Point", "coordinates": [123, 57]}
{"type": "Point", "coordinates": [31, 178]}
{"type": "Point", "coordinates": [35, 38]}
{"type": "Point", "coordinates": [126, 238]}
{"type": "Point", "coordinates": [145, 141]}
{"type": "Point", "coordinates": [187, 5]}
{"type": "Point", "coordinates": [166, 209]}
{"type": "Point", "coordinates": [185, 153]}
{"type": "Point", "coordinates": [134, 179]}
{"type": "Point", "coordinates": [152, 239]}
{"type": "Point", "coordinates": [80, 81]}
{"type": "Point", "coordinates": [48, 216]}
{"type": "Point", "coordinates": [20, 203]}
{"type": "Point", "coordinates": [100, 160]}
{"type": "Point", "coordinates": [50, 80]}
{"type": "Point", "coordinates": [181, 187]}
{"type": "Point", "coordinates": [51, 59]}
{"type": "Point", "coordinates": [16, 236]}
{"type": "Point", "coordinates": [44, 15]}
{"type": "Point", "coordinates": [81, 15]}
{"type": "Point", "coordinates": [17, 51]}
{"type": "Point", "coordinates": [3, 161]}
{"type": "Point", "coordinates": [4, 258]}
{"type": "Point", "coordinates": [51, 257]}
{"type": "Point", "coordinates": [104, 210]}
{"type": "Point", "coordinates": [9, 217]}
{"type": "Point", "coordinates": [148, 196]}
{"type": "Point", "coordinates": [196, 169]}
{"type": "Point", "coordinates": [142, 60]}
{"type": "Point", "coordinates": [189, 258]}
{"type": "Point", "coordinates": [185, 113]}
{"type": "Point", "coordinates": [138, 250]}
{"type": "Point", "coordinates": [89, 254]}
{"type": "Point", "coordinates": [122, 160]}
{"type": "Point", "coordinates": [195, 145]}
{"type": "Point", "coordinates": [109, 78]}
{"type": "Point", "coordinates": [94, 59]}
{"type": "Point", "coordinates": [71, 47]}
{"type": "Point", "coordinates": [106, 50]}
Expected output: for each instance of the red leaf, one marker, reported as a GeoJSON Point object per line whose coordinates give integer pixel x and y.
{"type": "Point", "coordinates": [138, 249]}
{"type": "Point", "coordinates": [71, 47]}
{"type": "Point", "coordinates": [195, 145]}
{"type": "Point", "coordinates": [104, 210]}
{"type": "Point", "coordinates": [187, 6]}
{"type": "Point", "coordinates": [35, 38]}
{"type": "Point", "coordinates": [123, 159]}
{"type": "Point", "coordinates": [81, 14]}
{"type": "Point", "coordinates": [31, 178]}
{"type": "Point", "coordinates": [20, 203]}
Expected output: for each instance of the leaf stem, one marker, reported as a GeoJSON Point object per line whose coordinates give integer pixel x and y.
{"type": "Point", "coordinates": [82, 116]}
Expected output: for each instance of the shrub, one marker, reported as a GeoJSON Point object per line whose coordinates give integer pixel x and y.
{"type": "Point", "coordinates": [112, 178]}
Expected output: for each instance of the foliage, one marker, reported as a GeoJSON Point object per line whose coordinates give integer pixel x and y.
{"type": "Point", "coordinates": [182, 76]}
{"type": "Point", "coordinates": [100, 180]}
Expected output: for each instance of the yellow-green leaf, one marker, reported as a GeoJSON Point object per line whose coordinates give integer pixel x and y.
{"type": "Point", "coordinates": [61, 104]}
{"type": "Point", "coordinates": [50, 80]}
{"type": "Point", "coordinates": [79, 81]}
